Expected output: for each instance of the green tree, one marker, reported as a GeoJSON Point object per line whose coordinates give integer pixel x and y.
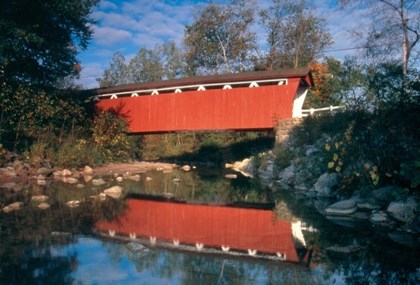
{"type": "Point", "coordinates": [295, 36]}
{"type": "Point", "coordinates": [145, 66]}
{"type": "Point", "coordinates": [116, 74]}
{"type": "Point", "coordinates": [220, 39]}
{"type": "Point", "coordinates": [39, 39]}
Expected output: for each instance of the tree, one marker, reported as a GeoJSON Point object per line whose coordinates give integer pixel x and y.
{"type": "Point", "coordinates": [116, 74]}
{"type": "Point", "coordinates": [39, 39]}
{"type": "Point", "coordinates": [295, 36]}
{"type": "Point", "coordinates": [394, 29]}
{"type": "Point", "coordinates": [145, 66]}
{"type": "Point", "coordinates": [174, 60]}
{"type": "Point", "coordinates": [165, 61]}
{"type": "Point", "coordinates": [220, 39]}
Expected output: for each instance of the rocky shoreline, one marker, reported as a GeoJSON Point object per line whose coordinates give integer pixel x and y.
{"type": "Point", "coordinates": [391, 208]}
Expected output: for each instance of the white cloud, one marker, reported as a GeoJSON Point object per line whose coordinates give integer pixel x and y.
{"type": "Point", "coordinates": [108, 36]}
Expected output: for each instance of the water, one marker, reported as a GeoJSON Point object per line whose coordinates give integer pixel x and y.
{"type": "Point", "coordinates": [191, 228]}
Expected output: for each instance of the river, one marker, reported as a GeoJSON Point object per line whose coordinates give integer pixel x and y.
{"type": "Point", "coordinates": [201, 226]}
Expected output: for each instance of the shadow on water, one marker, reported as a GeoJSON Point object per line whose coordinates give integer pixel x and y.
{"type": "Point", "coordinates": [176, 227]}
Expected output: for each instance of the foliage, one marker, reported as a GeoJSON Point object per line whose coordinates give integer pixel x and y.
{"type": "Point", "coordinates": [220, 39]}
{"type": "Point", "coordinates": [28, 114]}
{"type": "Point", "coordinates": [295, 36]}
{"type": "Point", "coordinates": [165, 61]}
{"type": "Point", "coordinates": [39, 40]}
{"type": "Point", "coordinates": [368, 149]}
{"type": "Point", "coordinates": [109, 134]}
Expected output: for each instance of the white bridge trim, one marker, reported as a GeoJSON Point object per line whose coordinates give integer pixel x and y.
{"type": "Point", "coordinates": [197, 87]}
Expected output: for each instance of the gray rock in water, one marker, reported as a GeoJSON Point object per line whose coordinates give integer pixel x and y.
{"type": "Point", "coordinates": [136, 247]}
{"type": "Point", "coordinates": [342, 208]}
{"type": "Point", "coordinates": [402, 211]}
{"type": "Point", "coordinates": [325, 183]}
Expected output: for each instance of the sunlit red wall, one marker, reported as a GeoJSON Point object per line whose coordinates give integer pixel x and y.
{"type": "Point", "coordinates": [232, 109]}
{"type": "Point", "coordinates": [214, 226]}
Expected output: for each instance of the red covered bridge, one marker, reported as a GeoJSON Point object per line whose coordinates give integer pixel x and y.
{"type": "Point", "coordinates": [242, 101]}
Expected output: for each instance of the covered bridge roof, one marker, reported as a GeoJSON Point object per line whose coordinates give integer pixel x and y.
{"type": "Point", "coordinates": [303, 73]}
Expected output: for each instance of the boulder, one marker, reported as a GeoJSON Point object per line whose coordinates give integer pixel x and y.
{"type": "Point", "coordinates": [43, 205]}
{"type": "Point", "coordinates": [39, 198]}
{"type": "Point", "coordinates": [70, 180]}
{"type": "Point", "coordinates": [380, 218]}
{"type": "Point", "coordinates": [342, 208]}
{"type": "Point", "coordinates": [66, 172]}
{"type": "Point", "coordinates": [98, 182]}
{"type": "Point", "coordinates": [73, 203]}
{"type": "Point", "coordinates": [87, 170]}
{"type": "Point", "coordinates": [13, 207]}
{"type": "Point", "coordinates": [114, 192]}
{"type": "Point", "coordinates": [402, 211]}
{"type": "Point", "coordinates": [136, 247]}
{"type": "Point", "coordinates": [186, 167]}
{"type": "Point", "coordinates": [325, 183]}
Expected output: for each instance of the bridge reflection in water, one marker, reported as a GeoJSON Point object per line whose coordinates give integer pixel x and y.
{"type": "Point", "coordinates": [206, 228]}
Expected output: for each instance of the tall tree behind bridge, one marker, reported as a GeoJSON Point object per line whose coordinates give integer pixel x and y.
{"type": "Point", "coordinates": [165, 61]}
{"type": "Point", "coordinates": [220, 39]}
{"type": "Point", "coordinates": [295, 36]}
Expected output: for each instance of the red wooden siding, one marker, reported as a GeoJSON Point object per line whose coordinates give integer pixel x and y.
{"type": "Point", "coordinates": [240, 108]}
{"type": "Point", "coordinates": [213, 226]}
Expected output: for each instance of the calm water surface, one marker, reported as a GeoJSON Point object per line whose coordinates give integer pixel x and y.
{"type": "Point", "coordinates": [193, 227]}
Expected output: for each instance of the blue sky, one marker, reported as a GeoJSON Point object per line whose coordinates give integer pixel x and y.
{"type": "Point", "coordinates": [127, 26]}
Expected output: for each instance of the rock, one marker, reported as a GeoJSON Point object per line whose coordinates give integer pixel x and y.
{"type": "Point", "coordinates": [231, 176]}
{"type": "Point", "coordinates": [114, 192]}
{"type": "Point", "coordinates": [149, 178]}
{"type": "Point", "coordinates": [43, 206]}
{"type": "Point", "coordinates": [73, 203]}
{"type": "Point", "coordinates": [265, 172]}
{"type": "Point", "coordinates": [70, 180]}
{"type": "Point", "coordinates": [66, 172]}
{"type": "Point", "coordinates": [342, 208]}
{"type": "Point", "coordinates": [186, 167]}
{"type": "Point", "coordinates": [87, 170]}
{"type": "Point", "coordinates": [87, 178]}
{"type": "Point", "coordinates": [367, 205]}
{"type": "Point", "coordinates": [44, 171]}
{"type": "Point", "coordinates": [379, 218]}
{"type": "Point", "coordinates": [119, 179]}
{"type": "Point", "coordinates": [385, 194]}
{"type": "Point", "coordinates": [345, 249]}
{"type": "Point", "coordinates": [102, 196]}
{"type": "Point", "coordinates": [287, 175]}
{"type": "Point", "coordinates": [136, 247]}
{"type": "Point", "coordinates": [8, 172]}
{"type": "Point", "coordinates": [80, 186]}
{"type": "Point", "coordinates": [13, 207]}
{"type": "Point", "coordinates": [39, 198]}
{"type": "Point", "coordinates": [98, 182]}
{"type": "Point", "coordinates": [135, 177]}
{"type": "Point", "coordinates": [325, 183]}
{"type": "Point", "coordinates": [402, 211]}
